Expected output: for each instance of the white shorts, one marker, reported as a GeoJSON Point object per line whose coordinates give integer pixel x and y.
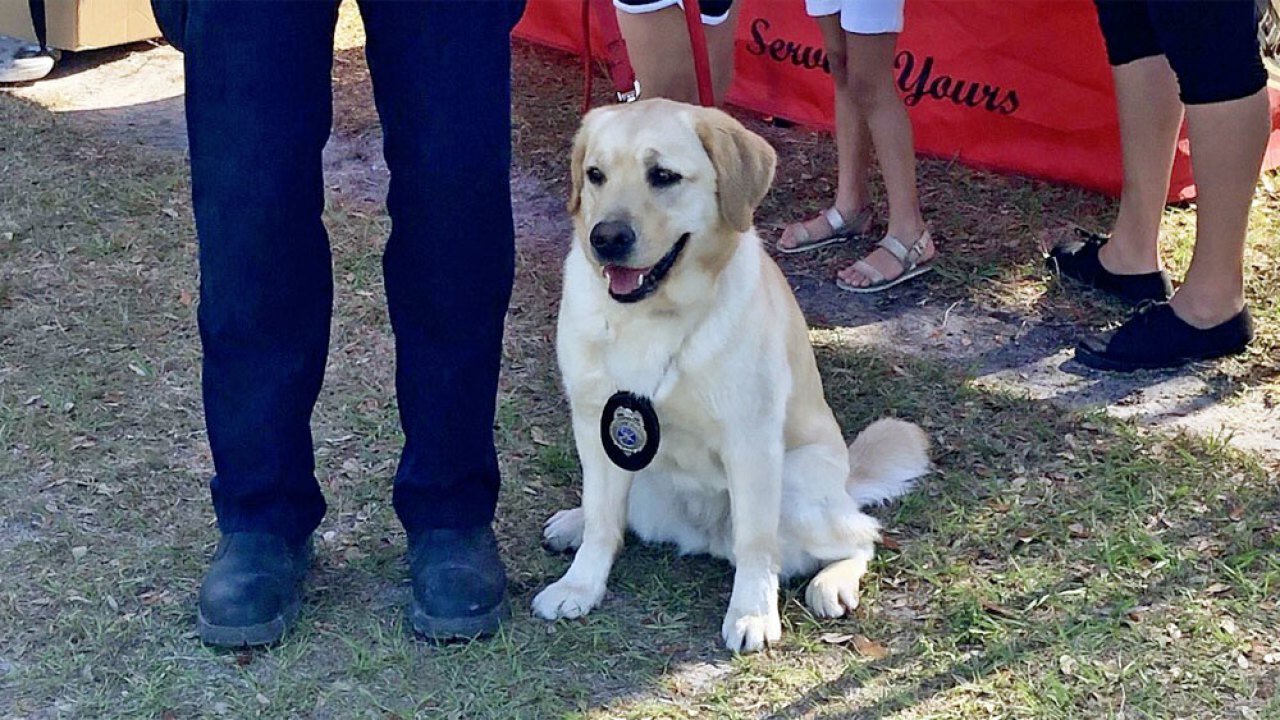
{"type": "Point", "coordinates": [864, 17]}
{"type": "Point", "coordinates": [714, 12]}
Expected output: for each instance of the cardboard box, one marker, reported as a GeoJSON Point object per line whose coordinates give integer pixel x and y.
{"type": "Point", "coordinates": [82, 24]}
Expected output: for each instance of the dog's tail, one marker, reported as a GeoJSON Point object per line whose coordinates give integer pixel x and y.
{"type": "Point", "coordinates": [884, 459]}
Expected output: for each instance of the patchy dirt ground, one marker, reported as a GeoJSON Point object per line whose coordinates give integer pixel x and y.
{"type": "Point", "coordinates": [135, 94]}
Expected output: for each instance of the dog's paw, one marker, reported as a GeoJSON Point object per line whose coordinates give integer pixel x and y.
{"type": "Point", "coordinates": [564, 530]}
{"type": "Point", "coordinates": [833, 592]}
{"type": "Point", "coordinates": [564, 599]}
{"type": "Point", "coordinates": [751, 631]}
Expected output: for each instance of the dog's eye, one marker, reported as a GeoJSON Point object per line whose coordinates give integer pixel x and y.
{"type": "Point", "coordinates": [594, 176]}
{"type": "Point", "coordinates": [661, 177]}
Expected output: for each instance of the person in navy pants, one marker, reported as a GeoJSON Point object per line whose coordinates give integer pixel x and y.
{"type": "Point", "coordinates": [259, 111]}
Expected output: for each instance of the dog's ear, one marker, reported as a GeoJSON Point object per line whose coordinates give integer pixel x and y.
{"type": "Point", "coordinates": [579, 156]}
{"type": "Point", "coordinates": [576, 170]}
{"type": "Point", "coordinates": [744, 164]}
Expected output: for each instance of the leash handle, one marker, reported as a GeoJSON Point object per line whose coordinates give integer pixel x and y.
{"type": "Point", "coordinates": [617, 64]}
{"type": "Point", "coordinates": [701, 60]}
{"type": "Point", "coordinates": [586, 56]}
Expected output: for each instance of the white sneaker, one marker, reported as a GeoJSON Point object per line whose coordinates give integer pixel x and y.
{"type": "Point", "coordinates": [22, 61]}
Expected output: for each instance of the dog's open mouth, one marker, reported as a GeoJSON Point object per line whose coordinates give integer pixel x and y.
{"type": "Point", "coordinates": [627, 284]}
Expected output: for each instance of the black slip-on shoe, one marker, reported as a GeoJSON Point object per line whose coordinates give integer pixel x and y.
{"type": "Point", "coordinates": [459, 584]}
{"type": "Point", "coordinates": [1155, 337]}
{"type": "Point", "coordinates": [253, 590]}
{"type": "Point", "coordinates": [1079, 261]}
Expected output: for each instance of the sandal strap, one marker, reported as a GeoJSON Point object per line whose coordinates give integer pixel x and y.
{"type": "Point", "coordinates": [870, 272]}
{"type": "Point", "coordinates": [907, 257]}
{"type": "Point", "coordinates": [895, 248]}
{"type": "Point", "coordinates": [834, 219]}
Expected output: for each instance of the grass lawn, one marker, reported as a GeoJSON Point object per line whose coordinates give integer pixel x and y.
{"type": "Point", "coordinates": [1056, 565]}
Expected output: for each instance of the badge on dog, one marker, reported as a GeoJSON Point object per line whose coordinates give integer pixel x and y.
{"type": "Point", "coordinates": [629, 431]}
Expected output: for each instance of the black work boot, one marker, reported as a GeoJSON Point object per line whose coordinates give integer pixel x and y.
{"type": "Point", "coordinates": [459, 584]}
{"type": "Point", "coordinates": [253, 589]}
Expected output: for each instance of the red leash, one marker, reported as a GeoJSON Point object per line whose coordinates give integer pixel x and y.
{"type": "Point", "coordinates": [701, 60]}
{"type": "Point", "coordinates": [618, 66]}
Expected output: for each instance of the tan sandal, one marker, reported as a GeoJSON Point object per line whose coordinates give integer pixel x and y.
{"type": "Point", "coordinates": [908, 259]}
{"type": "Point", "coordinates": [841, 230]}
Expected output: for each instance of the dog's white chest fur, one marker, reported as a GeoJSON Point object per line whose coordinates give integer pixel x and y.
{"type": "Point", "coordinates": [691, 366]}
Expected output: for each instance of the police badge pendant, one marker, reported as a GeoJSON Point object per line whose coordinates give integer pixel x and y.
{"type": "Point", "coordinates": [629, 431]}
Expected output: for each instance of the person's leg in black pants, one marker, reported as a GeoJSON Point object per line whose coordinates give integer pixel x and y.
{"type": "Point", "coordinates": [1201, 55]}
{"type": "Point", "coordinates": [258, 115]}
{"type": "Point", "coordinates": [441, 77]}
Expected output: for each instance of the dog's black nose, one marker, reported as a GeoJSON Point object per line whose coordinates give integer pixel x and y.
{"type": "Point", "coordinates": [612, 240]}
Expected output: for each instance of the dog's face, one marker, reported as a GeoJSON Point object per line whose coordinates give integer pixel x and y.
{"type": "Point", "coordinates": [662, 192]}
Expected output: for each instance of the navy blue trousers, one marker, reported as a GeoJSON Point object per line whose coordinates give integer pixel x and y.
{"type": "Point", "coordinates": [259, 111]}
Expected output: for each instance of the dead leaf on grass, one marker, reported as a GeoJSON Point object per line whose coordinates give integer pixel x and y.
{"type": "Point", "coordinates": [867, 647]}
{"type": "Point", "coordinates": [998, 609]}
{"type": "Point", "coordinates": [1137, 612]}
{"type": "Point", "coordinates": [1217, 589]}
{"type": "Point", "coordinates": [1067, 665]}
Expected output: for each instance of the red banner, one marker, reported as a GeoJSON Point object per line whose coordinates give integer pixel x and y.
{"type": "Point", "coordinates": [1016, 87]}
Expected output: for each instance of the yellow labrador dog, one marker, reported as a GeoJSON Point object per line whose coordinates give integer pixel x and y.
{"type": "Point", "coordinates": [670, 300]}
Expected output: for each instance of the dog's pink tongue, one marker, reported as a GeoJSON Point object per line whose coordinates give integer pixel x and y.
{"type": "Point", "coordinates": [624, 280]}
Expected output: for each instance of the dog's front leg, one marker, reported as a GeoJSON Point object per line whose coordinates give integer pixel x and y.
{"type": "Point", "coordinates": [754, 468]}
{"type": "Point", "coordinates": [605, 488]}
